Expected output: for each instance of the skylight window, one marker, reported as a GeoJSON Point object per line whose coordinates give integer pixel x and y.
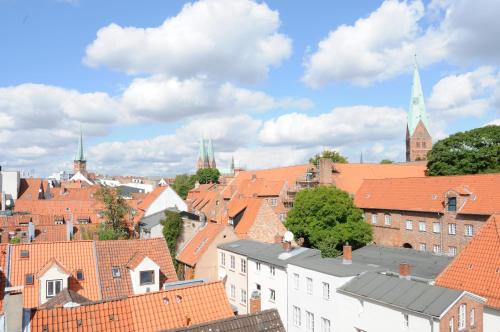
{"type": "Point", "coordinates": [115, 271]}
{"type": "Point", "coordinates": [79, 275]}
{"type": "Point", "coordinates": [25, 253]}
{"type": "Point", "coordinates": [28, 279]}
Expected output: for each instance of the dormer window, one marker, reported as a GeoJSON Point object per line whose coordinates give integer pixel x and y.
{"type": "Point", "coordinates": [25, 254]}
{"type": "Point", "coordinates": [54, 287]}
{"type": "Point", "coordinates": [115, 271]}
{"type": "Point", "coordinates": [452, 204]}
{"type": "Point", "coordinates": [79, 275]}
{"type": "Point", "coordinates": [147, 277]}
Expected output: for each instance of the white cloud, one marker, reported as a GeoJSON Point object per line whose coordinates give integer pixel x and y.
{"type": "Point", "coordinates": [495, 122]}
{"type": "Point", "coordinates": [341, 126]}
{"type": "Point", "coordinates": [223, 39]}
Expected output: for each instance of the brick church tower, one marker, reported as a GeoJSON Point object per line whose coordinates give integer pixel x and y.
{"type": "Point", "coordinates": [418, 139]}
{"type": "Point", "coordinates": [79, 163]}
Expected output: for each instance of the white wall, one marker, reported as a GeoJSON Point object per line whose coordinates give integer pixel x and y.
{"type": "Point", "coordinates": [146, 187]}
{"type": "Point", "coordinates": [491, 320]}
{"type": "Point", "coordinates": [9, 183]}
{"type": "Point", "coordinates": [146, 265]}
{"type": "Point", "coordinates": [234, 277]}
{"type": "Point", "coordinates": [278, 283]}
{"type": "Point", "coordinates": [167, 199]}
{"type": "Point", "coordinates": [53, 273]}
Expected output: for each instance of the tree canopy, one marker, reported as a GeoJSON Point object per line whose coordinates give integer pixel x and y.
{"type": "Point", "coordinates": [335, 156]}
{"type": "Point", "coordinates": [386, 161]}
{"type": "Point", "coordinates": [183, 183]}
{"type": "Point", "coordinates": [207, 175]}
{"type": "Point", "coordinates": [114, 212]}
{"type": "Point", "coordinates": [172, 229]}
{"type": "Point", "coordinates": [326, 218]}
{"type": "Point", "coordinates": [470, 152]}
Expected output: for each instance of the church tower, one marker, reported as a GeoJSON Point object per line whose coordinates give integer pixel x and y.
{"type": "Point", "coordinates": [210, 153]}
{"type": "Point", "coordinates": [206, 156]}
{"type": "Point", "coordinates": [418, 139]}
{"type": "Point", "coordinates": [79, 163]}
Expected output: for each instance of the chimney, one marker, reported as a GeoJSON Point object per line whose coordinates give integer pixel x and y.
{"type": "Point", "coordinates": [255, 302]}
{"type": "Point", "coordinates": [347, 254]}
{"type": "Point", "coordinates": [188, 321]}
{"type": "Point", "coordinates": [287, 245]}
{"type": "Point", "coordinates": [404, 271]}
{"type": "Point", "coordinates": [278, 238]}
{"type": "Point", "coordinates": [254, 177]}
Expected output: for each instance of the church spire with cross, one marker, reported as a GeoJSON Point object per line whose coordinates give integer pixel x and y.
{"type": "Point", "coordinates": [79, 162]}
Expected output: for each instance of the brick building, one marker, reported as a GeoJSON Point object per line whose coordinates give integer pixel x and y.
{"type": "Point", "coordinates": [439, 214]}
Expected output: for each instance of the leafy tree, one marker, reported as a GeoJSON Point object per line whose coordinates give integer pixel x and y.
{"type": "Point", "coordinates": [329, 154]}
{"type": "Point", "coordinates": [172, 230]}
{"type": "Point", "coordinates": [107, 232]}
{"type": "Point", "coordinates": [183, 183]}
{"type": "Point", "coordinates": [471, 152]}
{"type": "Point", "coordinates": [326, 218]}
{"type": "Point", "coordinates": [386, 161]}
{"type": "Point", "coordinates": [115, 208]}
{"type": "Point", "coordinates": [207, 175]}
{"type": "Point", "coordinates": [14, 240]}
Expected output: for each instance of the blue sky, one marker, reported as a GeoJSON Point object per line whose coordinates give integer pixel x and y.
{"type": "Point", "coordinates": [331, 74]}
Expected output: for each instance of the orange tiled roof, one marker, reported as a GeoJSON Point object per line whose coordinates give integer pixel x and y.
{"type": "Point", "coordinates": [73, 255]}
{"type": "Point", "coordinates": [3, 260]}
{"type": "Point", "coordinates": [428, 193]}
{"type": "Point", "coordinates": [195, 248]}
{"type": "Point", "coordinates": [29, 188]}
{"type": "Point", "coordinates": [349, 177]}
{"type": "Point", "coordinates": [150, 198]}
{"type": "Point", "coordinates": [250, 208]}
{"type": "Point", "coordinates": [476, 268]}
{"type": "Point", "coordinates": [147, 312]}
{"type": "Point", "coordinates": [119, 253]}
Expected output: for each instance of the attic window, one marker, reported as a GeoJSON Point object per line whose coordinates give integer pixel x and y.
{"type": "Point", "coordinates": [452, 204]}
{"type": "Point", "coordinates": [25, 254]}
{"type": "Point", "coordinates": [28, 279]}
{"type": "Point", "coordinates": [79, 275]}
{"type": "Point", "coordinates": [115, 271]}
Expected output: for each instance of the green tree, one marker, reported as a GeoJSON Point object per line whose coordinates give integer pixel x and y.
{"type": "Point", "coordinates": [107, 232]}
{"type": "Point", "coordinates": [386, 161]}
{"type": "Point", "coordinates": [207, 175]}
{"type": "Point", "coordinates": [329, 154]}
{"type": "Point", "coordinates": [326, 218]}
{"type": "Point", "coordinates": [172, 230]}
{"type": "Point", "coordinates": [115, 208]}
{"type": "Point", "coordinates": [14, 240]}
{"type": "Point", "coordinates": [183, 183]}
{"type": "Point", "coordinates": [470, 152]}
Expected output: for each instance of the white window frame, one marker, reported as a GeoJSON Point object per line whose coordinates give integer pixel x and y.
{"type": "Point", "coordinates": [462, 316]}
{"type": "Point", "coordinates": [451, 324]}
{"type": "Point", "coordinates": [309, 321]}
{"type": "Point", "coordinates": [54, 282]}
{"type": "Point", "coordinates": [374, 218]}
{"type": "Point", "coordinates": [326, 291]}
{"type": "Point", "coordinates": [273, 201]}
{"type": "Point", "coordinates": [469, 230]}
{"type": "Point", "coordinates": [452, 229]}
{"type": "Point", "coordinates": [296, 280]}
{"type": "Point", "coordinates": [452, 251]}
{"type": "Point", "coordinates": [423, 246]}
{"type": "Point", "coordinates": [272, 295]}
{"type": "Point", "coordinates": [223, 259]}
{"type": "Point", "coordinates": [472, 317]}
{"type": "Point", "coordinates": [272, 270]}
{"type": "Point", "coordinates": [409, 225]}
{"type": "Point", "coordinates": [422, 226]}
{"type": "Point", "coordinates": [243, 265]}
{"type": "Point", "coordinates": [325, 325]}
{"type": "Point", "coordinates": [387, 219]}
{"type": "Point", "coordinates": [232, 265]}
{"type": "Point", "coordinates": [297, 316]}
{"type": "Point", "coordinates": [436, 249]}
{"type": "Point", "coordinates": [309, 286]}
{"type": "Point", "coordinates": [406, 321]}
{"type": "Point", "coordinates": [232, 291]}
{"type": "Point", "coordinates": [436, 227]}
{"type": "Point", "coordinates": [257, 266]}
{"type": "Point", "coordinates": [243, 294]}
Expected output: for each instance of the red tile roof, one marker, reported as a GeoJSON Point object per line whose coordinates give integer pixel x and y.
{"type": "Point", "coordinates": [428, 193]}
{"type": "Point", "coordinates": [150, 198]}
{"type": "Point", "coordinates": [250, 208]}
{"type": "Point", "coordinates": [477, 268]}
{"type": "Point", "coordinates": [119, 253]}
{"type": "Point", "coordinates": [147, 312]}
{"type": "Point", "coordinates": [195, 248]}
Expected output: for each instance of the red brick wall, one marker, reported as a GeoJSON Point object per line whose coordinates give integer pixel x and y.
{"type": "Point", "coordinates": [444, 324]}
{"type": "Point", "coordinates": [397, 235]}
{"type": "Point", "coordinates": [419, 144]}
{"type": "Point", "coordinates": [266, 225]}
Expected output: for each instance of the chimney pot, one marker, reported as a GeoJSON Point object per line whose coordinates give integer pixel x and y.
{"type": "Point", "coordinates": [347, 254]}
{"type": "Point", "coordinates": [404, 271]}
{"type": "Point", "coordinates": [278, 238]}
{"type": "Point", "coordinates": [287, 245]}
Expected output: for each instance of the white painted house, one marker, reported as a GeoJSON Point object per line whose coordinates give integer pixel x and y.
{"type": "Point", "coordinates": [160, 199]}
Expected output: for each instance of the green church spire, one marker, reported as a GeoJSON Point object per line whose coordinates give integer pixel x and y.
{"type": "Point", "coordinates": [202, 155]}
{"type": "Point", "coordinates": [79, 156]}
{"type": "Point", "coordinates": [210, 153]}
{"type": "Point", "coordinates": [417, 106]}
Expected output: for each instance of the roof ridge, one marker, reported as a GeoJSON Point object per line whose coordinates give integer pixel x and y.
{"type": "Point", "coordinates": [175, 289]}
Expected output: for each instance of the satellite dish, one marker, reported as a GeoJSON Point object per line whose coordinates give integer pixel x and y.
{"type": "Point", "coordinates": [8, 202]}
{"type": "Point", "coordinates": [288, 237]}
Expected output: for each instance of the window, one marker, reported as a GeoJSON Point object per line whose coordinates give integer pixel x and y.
{"type": "Point", "coordinates": [436, 227]}
{"type": "Point", "coordinates": [387, 219]}
{"type": "Point", "coordinates": [469, 230]}
{"type": "Point", "coordinates": [115, 272]}
{"type": "Point", "coordinates": [452, 204]}
{"type": "Point", "coordinates": [296, 316]}
{"type": "Point", "coordinates": [418, 144]}
{"type": "Point", "coordinates": [243, 296]}
{"type": "Point", "coordinates": [423, 247]}
{"type": "Point", "coordinates": [282, 217]}
{"type": "Point", "coordinates": [28, 279]}
{"type": "Point", "coordinates": [53, 287]}
{"type": "Point", "coordinates": [79, 275]}
{"type": "Point", "coordinates": [326, 291]}
{"type": "Point", "coordinates": [472, 317]}
{"type": "Point", "coordinates": [374, 218]}
{"type": "Point", "coordinates": [232, 294]}
{"type": "Point", "coordinates": [421, 226]}
{"type": "Point", "coordinates": [295, 281]}
{"type": "Point", "coordinates": [273, 201]}
{"type": "Point", "coordinates": [461, 316]}
{"type": "Point", "coordinates": [452, 251]}
{"type": "Point", "coordinates": [243, 266]}
{"type": "Point", "coordinates": [423, 144]}
{"type": "Point", "coordinates": [25, 254]}
{"type": "Point", "coordinates": [272, 295]}
{"type": "Point", "coordinates": [147, 277]}
{"type": "Point", "coordinates": [406, 321]}
{"type": "Point", "coordinates": [309, 321]}
{"type": "Point", "coordinates": [437, 249]}
{"type": "Point", "coordinates": [257, 286]}
{"type": "Point", "coordinates": [309, 286]}
{"type": "Point", "coordinates": [409, 225]}
{"type": "Point", "coordinates": [272, 270]}
{"type": "Point", "coordinates": [452, 324]}
{"type": "Point", "coordinates": [233, 262]}
{"type": "Point", "coordinates": [325, 325]}
{"type": "Point", "coordinates": [223, 259]}
{"type": "Point", "coordinates": [452, 229]}
{"type": "Point", "coordinates": [257, 266]}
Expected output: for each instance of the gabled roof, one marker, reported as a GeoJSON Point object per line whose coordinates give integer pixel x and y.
{"type": "Point", "coordinates": [195, 248]}
{"type": "Point", "coordinates": [29, 188]}
{"type": "Point", "coordinates": [427, 194]}
{"type": "Point", "coordinates": [477, 267]}
{"type": "Point", "coordinates": [249, 207]}
{"type": "Point", "coordinates": [168, 309]}
{"type": "Point", "coordinates": [120, 252]}
{"type": "Point", "coordinates": [150, 198]}
{"type": "Point", "coordinates": [52, 261]}
{"type": "Point", "coordinates": [136, 259]}
{"type": "Point", "coordinates": [63, 297]}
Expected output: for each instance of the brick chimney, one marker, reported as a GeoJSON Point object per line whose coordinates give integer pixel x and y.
{"type": "Point", "coordinates": [255, 302]}
{"type": "Point", "coordinates": [278, 238]}
{"type": "Point", "coordinates": [404, 271]}
{"type": "Point", "coordinates": [347, 254]}
{"type": "Point", "coordinates": [287, 245]}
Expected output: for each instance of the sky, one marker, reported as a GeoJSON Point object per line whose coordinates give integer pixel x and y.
{"type": "Point", "coordinates": [271, 82]}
